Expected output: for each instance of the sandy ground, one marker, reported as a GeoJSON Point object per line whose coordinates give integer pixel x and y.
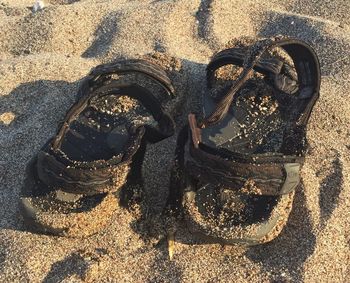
{"type": "Point", "coordinates": [43, 57]}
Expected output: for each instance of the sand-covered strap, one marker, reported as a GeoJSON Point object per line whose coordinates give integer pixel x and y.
{"type": "Point", "coordinates": [270, 175]}
{"type": "Point", "coordinates": [149, 101]}
{"type": "Point", "coordinates": [281, 74]}
{"type": "Point", "coordinates": [101, 74]}
{"type": "Point", "coordinates": [236, 57]}
{"type": "Point", "coordinates": [306, 65]}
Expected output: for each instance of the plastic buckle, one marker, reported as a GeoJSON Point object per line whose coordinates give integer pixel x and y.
{"type": "Point", "coordinates": [292, 177]}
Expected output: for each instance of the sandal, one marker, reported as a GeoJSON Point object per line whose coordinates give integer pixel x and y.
{"type": "Point", "coordinates": [98, 149]}
{"type": "Point", "coordinates": [236, 170]}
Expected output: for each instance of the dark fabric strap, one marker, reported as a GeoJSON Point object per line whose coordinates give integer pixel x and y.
{"type": "Point", "coordinates": [281, 75]}
{"type": "Point", "coordinates": [86, 177]}
{"type": "Point", "coordinates": [236, 57]}
{"type": "Point", "coordinates": [306, 65]}
{"type": "Point", "coordinates": [101, 74]}
{"type": "Point", "coordinates": [166, 124]}
{"type": "Point", "coordinates": [270, 177]}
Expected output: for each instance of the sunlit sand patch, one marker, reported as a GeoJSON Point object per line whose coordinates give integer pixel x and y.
{"type": "Point", "coordinates": [171, 244]}
{"type": "Point", "coordinates": [6, 118]}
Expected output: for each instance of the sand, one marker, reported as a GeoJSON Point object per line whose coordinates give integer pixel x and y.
{"type": "Point", "coordinates": [43, 57]}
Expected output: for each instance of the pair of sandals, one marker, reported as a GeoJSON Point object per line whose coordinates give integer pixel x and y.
{"type": "Point", "coordinates": [237, 164]}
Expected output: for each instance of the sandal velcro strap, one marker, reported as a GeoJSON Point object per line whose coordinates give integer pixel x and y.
{"type": "Point", "coordinates": [56, 170]}
{"type": "Point", "coordinates": [102, 74]}
{"type": "Point", "coordinates": [272, 175]}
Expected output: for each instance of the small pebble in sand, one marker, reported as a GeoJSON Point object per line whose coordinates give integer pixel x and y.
{"type": "Point", "coordinates": [38, 6]}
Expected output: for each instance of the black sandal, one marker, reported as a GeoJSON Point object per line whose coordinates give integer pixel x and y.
{"type": "Point", "coordinates": [237, 169]}
{"type": "Point", "coordinates": [98, 149]}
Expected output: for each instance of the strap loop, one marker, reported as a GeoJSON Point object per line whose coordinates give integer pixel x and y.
{"type": "Point", "coordinates": [305, 61]}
